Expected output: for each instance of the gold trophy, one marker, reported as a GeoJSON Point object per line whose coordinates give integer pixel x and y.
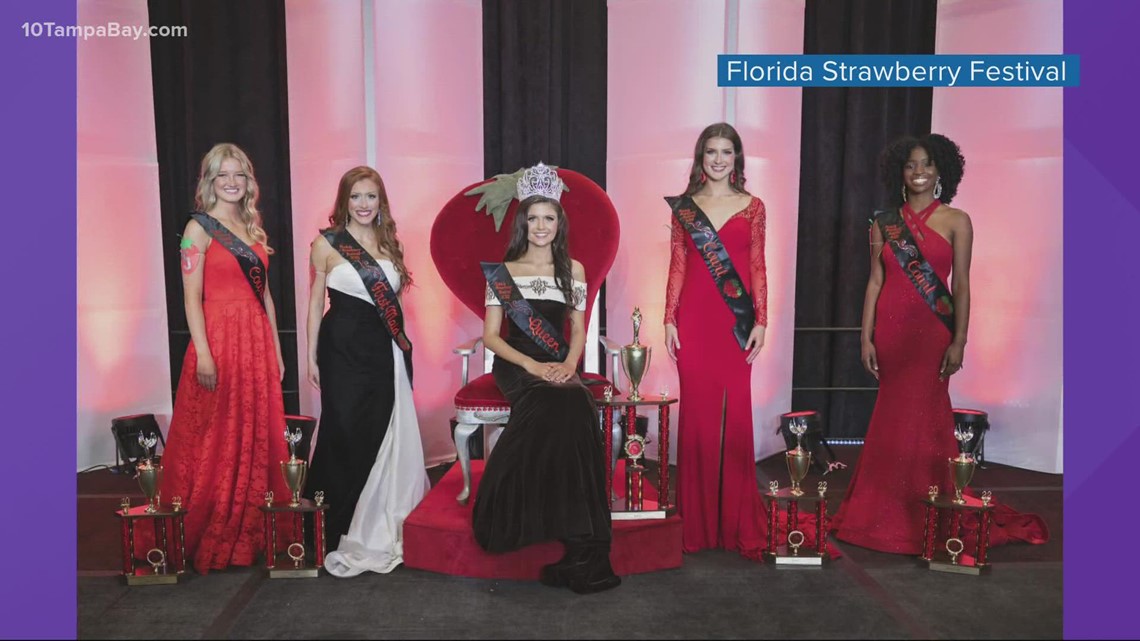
{"type": "Point", "coordinates": [294, 470]}
{"type": "Point", "coordinates": [962, 467]}
{"type": "Point", "coordinates": [635, 358]}
{"type": "Point", "coordinates": [799, 459]}
{"type": "Point", "coordinates": [149, 474]}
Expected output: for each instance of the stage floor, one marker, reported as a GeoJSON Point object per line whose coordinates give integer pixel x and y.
{"type": "Point", "coordinates": [714, 594]}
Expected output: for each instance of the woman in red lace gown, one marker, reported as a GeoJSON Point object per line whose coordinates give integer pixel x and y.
{"type": "Point", "coordinates": [227, 433]}
{"type": "Point", "coordinates": [717, 491]}
{"type": "Point", "coordinates": [913, 354]}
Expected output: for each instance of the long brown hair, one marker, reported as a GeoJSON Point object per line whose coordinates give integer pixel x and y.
{"type": "Point", "coordinates": [205, 198]}
{"type": "Point", "coordinates": [563, 269]}
{"type": "Point", "coordinates": [384, 225]}
{"type": "Point", "coordinates": [717, 130]}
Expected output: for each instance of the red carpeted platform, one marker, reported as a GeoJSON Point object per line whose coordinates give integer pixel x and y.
{"type": "Point", "coordinates": [437, 537]}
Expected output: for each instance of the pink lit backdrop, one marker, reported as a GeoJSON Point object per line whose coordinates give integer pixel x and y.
{"type": "Point", "coordinates": [372, 83]}
{"type": "Point", "coordinates": [662, 93]}
{"type": "Point", "coordinates": [122, 351]}
{"type": "Point", "coordinates": [1012, 140]}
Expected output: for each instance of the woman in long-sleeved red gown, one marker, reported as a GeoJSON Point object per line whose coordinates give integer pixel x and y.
{"type": "Point", "coordinates": [717, 491]}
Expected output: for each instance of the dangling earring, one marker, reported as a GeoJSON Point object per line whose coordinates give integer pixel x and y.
{"type": "Point", "coordinates": [938, 188]}
{"type": "Point", "coordinates": [703, 177]}
{"type": "Point", "coordinates": [904, 193]}
{"type": "Point", "coordinates": [732, 177]}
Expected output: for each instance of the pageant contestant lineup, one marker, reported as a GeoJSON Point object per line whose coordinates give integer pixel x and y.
{"type": "Point", "coordinates": [546, 478]}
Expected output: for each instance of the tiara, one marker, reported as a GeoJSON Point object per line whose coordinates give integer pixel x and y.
{"type": "Point", "coordinates": [540, 180]}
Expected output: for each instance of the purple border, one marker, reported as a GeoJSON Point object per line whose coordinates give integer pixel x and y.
{"type": "Point", "coordinates": [39, 537]}
{"type": "Point", "coordinates": [1102, 309]}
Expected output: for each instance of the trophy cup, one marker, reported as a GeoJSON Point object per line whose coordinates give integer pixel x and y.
{"type": "Point", "coordinates": [294, 470]}
{"type": "Point", "coordinates": [799, 459]}
{"type": "Point", "coordinates": [635, 358]}
{"type": "Point", "coordinates": [962, 467]}
{"type": "Point", "coordinates": [149, 474]}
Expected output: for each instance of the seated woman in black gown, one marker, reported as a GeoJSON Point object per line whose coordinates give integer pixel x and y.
{"type": "Point", "coordinates": [545, 479]}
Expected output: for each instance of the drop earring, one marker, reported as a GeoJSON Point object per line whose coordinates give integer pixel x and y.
{"type": "Point", "coordinates": [938, 188]}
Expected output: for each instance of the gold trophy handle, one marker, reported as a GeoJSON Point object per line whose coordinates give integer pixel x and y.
{"type": "Point", "coordinates": [954, 546]}
{"type": "Point", "coordinates": [795, 540]}
{"type": "Point", "coordinates": [296, 551]}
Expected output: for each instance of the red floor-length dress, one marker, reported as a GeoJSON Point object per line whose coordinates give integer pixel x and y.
{"type": "Point", "coordinates": [717, 491]}
{"type": "Point", "coordinates": [911, 435]}
{"type": "Point", "coordinates": [224, 447]}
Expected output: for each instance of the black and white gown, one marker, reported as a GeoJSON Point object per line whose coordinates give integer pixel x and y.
{"type": "Point", "coordinates": [369, 457]}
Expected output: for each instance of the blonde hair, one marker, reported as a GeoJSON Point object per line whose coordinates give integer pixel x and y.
{"type": "Point", "coordinates": [205, 198]}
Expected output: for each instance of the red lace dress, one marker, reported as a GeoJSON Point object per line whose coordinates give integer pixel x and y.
{"type": "Point", "coordinates": [224, 447]}
{"type": "Point", "coordinates": [911, 435]}
{"type": "Point", "coordinates": [717, 492]}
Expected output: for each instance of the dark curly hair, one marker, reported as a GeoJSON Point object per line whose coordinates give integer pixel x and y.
{"type": "Point", "coordinates": [945, 154]}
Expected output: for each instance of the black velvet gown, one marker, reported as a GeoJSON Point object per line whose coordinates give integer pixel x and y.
{"type": "Point", "coordinates": [545, 478]}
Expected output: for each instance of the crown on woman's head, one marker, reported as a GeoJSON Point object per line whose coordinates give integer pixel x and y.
{"type": "Point", "coordinates": [540, 180]}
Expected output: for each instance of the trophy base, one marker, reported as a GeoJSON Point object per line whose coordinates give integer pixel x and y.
{"type": "Point", "coordinates": [145, 576]}
{"type": "Point", "coordinates": [294, 573]}
{"type": "Point", "coordinates": [650, 509]}
{"type": "Point", "coordinates": [941, 563]}
{"type": "Point", "coordinates": [807, 558]}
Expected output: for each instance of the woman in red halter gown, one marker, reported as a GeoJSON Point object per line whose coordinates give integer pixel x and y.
{"type": "Point", "coordinates": [913, 355]}
{"type": "Point", "coordinates": [717, 492]}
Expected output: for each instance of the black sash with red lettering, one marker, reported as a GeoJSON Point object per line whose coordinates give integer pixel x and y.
{"type": "Point", "coordinates": [527, 318]}
{"type": "Point", "coordinates": [724, 274]}
{"type": "Point", "coordinates": [249, 261]}
{"type": "Point", "coordinates": [375, 281]}
{"type": "Point", "coordinates": [921, 274]}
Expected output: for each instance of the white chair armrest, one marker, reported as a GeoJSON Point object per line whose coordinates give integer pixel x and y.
{"type": "Point", "coordinates": [465, 350]}
{"type": "Point", "coordinates": [468, 348]}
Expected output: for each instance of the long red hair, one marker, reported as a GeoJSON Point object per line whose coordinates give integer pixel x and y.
{"type": "Point", "coordinates": [384, 224]}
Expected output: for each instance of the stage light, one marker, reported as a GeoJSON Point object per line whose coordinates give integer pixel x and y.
{"type": "Point", "coordinates": [128, 450]}
{"type": "Point", "coordinates": [823, 459]}
{"type": "Point", "coordinates": [979, 422]}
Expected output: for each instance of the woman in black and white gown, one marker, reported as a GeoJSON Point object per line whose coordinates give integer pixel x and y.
{"type": "Point", "coordinates": [369, 458]}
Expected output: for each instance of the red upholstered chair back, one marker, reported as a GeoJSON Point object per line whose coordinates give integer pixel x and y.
{"type": "Point", "coordinates": [461, 238]}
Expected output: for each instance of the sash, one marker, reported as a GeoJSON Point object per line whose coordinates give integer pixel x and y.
{"type": "Point", "coordinates": [930, 287]}
{"type": "Point", "coordinates": [249, 262]}
{"type": "Point", "coordinates": [376, 282]}
{"type": "Point", "coordinates": [728, 281]}
{"type": "Point", "coordinates": [525, 317]}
